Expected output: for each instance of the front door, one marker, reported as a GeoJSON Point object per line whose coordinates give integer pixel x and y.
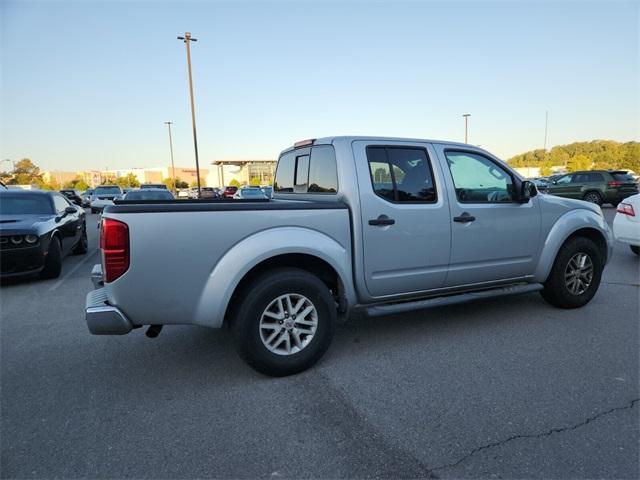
{"type": "Point", "coordinates": [565, 186]}
{"type": "Point", "coordinates": [493, 237]}
{"type": "Point", "coordinates": [405, 218]}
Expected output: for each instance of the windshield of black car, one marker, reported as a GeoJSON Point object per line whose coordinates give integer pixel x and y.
{"type": "Point", "coordinates": [107, 191]}
{"type": "Point", "coordinates": [25, 205]}
{"type": "Point", "coordinates": [149, 195]}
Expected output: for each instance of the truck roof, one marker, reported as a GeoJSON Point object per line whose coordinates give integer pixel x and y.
{"type": "Point", "coordinates": [350, 138]}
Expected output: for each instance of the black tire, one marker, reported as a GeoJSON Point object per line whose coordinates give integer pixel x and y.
{"type": "Point", "coordinates": [53, 263]}
{"type": "Point", "coordinates": [615, 204]}
{"type": "Point", "coordinates": [555, 289]}
{"type": "Point", "coordinates": [593, 197]}
{"type": "Point", "coordinates": [252, 302]}
{"type": "Point", "coordinates": [82, 246]}
{"type": "Point", "coordinates": [635, 249]}
{"type": "Point", "coordinates": [94, 210]}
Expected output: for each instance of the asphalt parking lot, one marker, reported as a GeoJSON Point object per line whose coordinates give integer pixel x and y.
{"type": "Point", "coordinates": [503, 388]}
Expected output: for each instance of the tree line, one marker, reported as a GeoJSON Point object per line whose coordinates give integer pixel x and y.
{"type": "Point", "coordinates": [593, 155]}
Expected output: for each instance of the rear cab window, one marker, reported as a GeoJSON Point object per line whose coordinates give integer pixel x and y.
{"type": "Point", "coordinates": [307, 171]}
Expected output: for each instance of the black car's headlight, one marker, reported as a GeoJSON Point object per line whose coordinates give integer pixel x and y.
{"type": "Point", "coordinates": [16, 239]}
{"type": "Point", "coordinates": [31, 238]}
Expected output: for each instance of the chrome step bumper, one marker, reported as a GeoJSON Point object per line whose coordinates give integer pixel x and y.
{"type": "Point", "coordinates": [103, 319]}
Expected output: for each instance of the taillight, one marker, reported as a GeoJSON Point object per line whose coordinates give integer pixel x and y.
{"type": "Point", "coordinates": [114, 242]}
{"type": "Point", "coordinates": [615, 184]}
{"type": "Point", "coordinates": [626, 209]}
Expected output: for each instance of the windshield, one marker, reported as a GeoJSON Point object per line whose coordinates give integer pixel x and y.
{"type": "Point", "coordinates": [107, 191]}
{"type": "Point", "coordinates": [25, 205]}
{"type": "Point", "coordinates": [149, 195]}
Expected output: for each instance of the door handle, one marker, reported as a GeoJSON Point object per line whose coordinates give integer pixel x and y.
{"type": "Point", "coordinates": [382, 220]}
{"type": "Point", "coordinates": [464, 218]}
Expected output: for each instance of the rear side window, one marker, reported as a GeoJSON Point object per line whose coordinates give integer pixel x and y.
{"type": "Point", "coordinates": [307, 171]}
{"type": "Point", "coordinates": [595, 178]}
{"type": "Point", "coordinates": [401, 174]}
{"type": "Point", "coordinates": [323, 174]}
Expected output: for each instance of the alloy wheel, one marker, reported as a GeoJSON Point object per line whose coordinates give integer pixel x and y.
{"type": "Point", "coordinates": [288, 324]}
{"type": "Point", "coordinates": [578, 274]}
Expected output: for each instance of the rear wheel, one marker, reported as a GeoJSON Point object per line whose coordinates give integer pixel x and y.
{"type": "Point", "coordinates": [575, 275]}
{"type": "Point", "coordinates": [635, 249]}
{"type": "Point", "coordinates": [53, 262]}
{"type": "Point", "coordinates": [284, 322]}
{"type": "Point", "coordinates": [82, 246]}
{"type": "Point", "coordinates": [593, 197]}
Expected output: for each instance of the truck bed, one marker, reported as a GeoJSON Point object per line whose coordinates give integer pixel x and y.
{"type": "Point", "coordinates": [186, 255]}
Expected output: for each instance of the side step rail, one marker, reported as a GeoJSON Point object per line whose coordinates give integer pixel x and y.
{"type": "Point", "coordinates": [390, 309]}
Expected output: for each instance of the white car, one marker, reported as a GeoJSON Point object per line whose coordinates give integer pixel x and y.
{"type": "Point", "coordinates": [626, 225]}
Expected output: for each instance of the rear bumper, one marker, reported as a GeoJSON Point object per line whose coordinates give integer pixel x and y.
{"type": "Point", "coordinates": [102, 318]}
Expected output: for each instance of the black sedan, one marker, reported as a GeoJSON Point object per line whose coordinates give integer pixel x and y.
{"type": "Point", "coordinates": [37, 230]}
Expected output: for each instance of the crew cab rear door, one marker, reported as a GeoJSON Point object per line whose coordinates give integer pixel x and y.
{"type": "Point", "coordinates": [405, 217]}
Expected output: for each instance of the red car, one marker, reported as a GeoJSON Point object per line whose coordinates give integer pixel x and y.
{"type": "Point", "coordinates": [229, 192]}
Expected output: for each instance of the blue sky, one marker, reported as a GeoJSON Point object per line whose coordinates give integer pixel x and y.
{"type": "Point", "coordinates": [89, 84]}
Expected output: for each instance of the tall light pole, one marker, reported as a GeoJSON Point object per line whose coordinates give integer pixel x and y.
{"type": "Point", "coordinates": [187, 39]}
{"type": "Point", "coordinates": [173, 168]}
{"type": "Point", "coordinates": [466, 126]}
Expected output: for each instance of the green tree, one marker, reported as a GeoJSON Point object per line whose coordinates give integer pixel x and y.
{"type": "Point", "coordinates": [77, 184]}
{"type": "Point", "coordinates": [579, 162]}
{"type": "Point", "coordinates": [26, 173]}
{"type": "Point", "coordinates": [545, 168]}
{"type": "Point", "coordinates": [194, 183]}
{"type": "Point", "coordinates": [255, 181]}
{"type": "Point", "coordinates": [128, 181]}
{"type": "Point", "coordinates": [234, 183]}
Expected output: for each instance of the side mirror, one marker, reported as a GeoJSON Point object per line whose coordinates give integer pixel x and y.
{"type": "Point", "coordinates": [528, 190]}
{"type": "Point", "coordinates": [70, 210]}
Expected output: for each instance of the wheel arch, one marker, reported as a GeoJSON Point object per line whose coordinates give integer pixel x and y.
{"type": "Point", "coordinates": [298, 247]}
{"type": "Point", "coordinates": [583, 223]}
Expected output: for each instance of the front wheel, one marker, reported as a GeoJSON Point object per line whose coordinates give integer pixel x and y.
{"type": "Point", "coordinates": [575, 275]}
{"type": "Point", "coordinates": [53, 262]}
{"type": "Point", "coordinates": [284, 322]}
{"type": "Point", "coordinates": [635, 249]}
{"type": "Point", "coordinates": [82, 246]}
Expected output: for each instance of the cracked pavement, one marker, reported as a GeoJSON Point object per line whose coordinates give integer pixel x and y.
{"type": "Point", "coordinates": [502, 388]}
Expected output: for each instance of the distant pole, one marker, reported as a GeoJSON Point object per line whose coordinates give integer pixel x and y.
{"type": "Point", "coordinates": [173, 168]}
{"type": "Point", "coordinates": [466, 126]}
{"type": "Point", "coordinates": [187, 39]}
{"type": "Point", "coordinates": [546, 124]}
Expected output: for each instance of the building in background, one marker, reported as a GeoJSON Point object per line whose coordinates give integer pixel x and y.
{"type": "Point", "coordinates": [90, 177]}
{"type": "Point", "coordinates": [154, 174]}
{"type": "Point", "coordinates": [223, 172]}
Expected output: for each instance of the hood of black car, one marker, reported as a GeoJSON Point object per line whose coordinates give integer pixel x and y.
{"type": "Point", "coordinates": [22, 224]}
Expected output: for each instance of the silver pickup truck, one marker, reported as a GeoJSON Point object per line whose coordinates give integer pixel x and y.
{"type": "Point", "coordinates": [357, 224]}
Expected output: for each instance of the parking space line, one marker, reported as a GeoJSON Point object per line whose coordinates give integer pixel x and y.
{"type": "Point", "coordinates": [73, 270]}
